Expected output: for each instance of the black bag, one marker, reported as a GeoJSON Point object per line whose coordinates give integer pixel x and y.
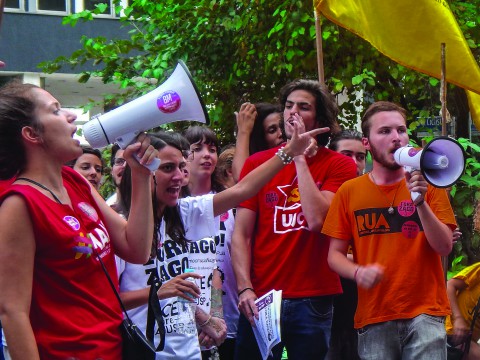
{"type": "Point", "coordinates": [459, 353]}
{"type": "Point", "coordinates": [135, 345]}
{"type": "Point", "coordinates": [454, 353]}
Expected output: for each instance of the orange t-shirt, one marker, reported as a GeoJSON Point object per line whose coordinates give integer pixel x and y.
{"type": "Point", "coordinates": [413, 281]}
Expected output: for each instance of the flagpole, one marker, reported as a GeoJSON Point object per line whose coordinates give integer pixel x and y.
{"type": "Point", "coordinates": [318, 35]}
{"type": "Point", "coordinates": [443, 90]}
{"type": "Point", "coordinates": [443, 101]}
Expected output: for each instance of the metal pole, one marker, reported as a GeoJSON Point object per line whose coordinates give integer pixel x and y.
{"type": "Point", "coordinates": [318, 35]}
{"type": "Point", "coordinates": [443, 101]}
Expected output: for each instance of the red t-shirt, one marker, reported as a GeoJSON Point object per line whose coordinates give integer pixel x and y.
{"type": "Point", "coordinates": [286, 255]}
{"type": "Point", "coordinates": [74, 312]}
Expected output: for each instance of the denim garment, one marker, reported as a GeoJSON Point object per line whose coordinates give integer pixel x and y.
{"type": "Point", "coordinates": [420, 338]}
{"type": "Point", "coordinates": [305, 327]}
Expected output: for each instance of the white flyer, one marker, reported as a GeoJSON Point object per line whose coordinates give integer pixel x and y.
{"type": "Point", "coordinates": [267, 327]}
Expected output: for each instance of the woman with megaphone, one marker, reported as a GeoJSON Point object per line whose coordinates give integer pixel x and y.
{"type": "Point", "coordinates": [55, 300]}
{"type": "Point", "coordinates": [179, 224]}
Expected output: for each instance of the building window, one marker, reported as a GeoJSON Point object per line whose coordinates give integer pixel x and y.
{"type": "Point", "coordinates": [52, 5]}
{"type": "Point", "coordinates": [81, 5]}
{"type": "Point", "coordinates": [14, 4]}
{"type": "Point", "coordinates": [91, 4]}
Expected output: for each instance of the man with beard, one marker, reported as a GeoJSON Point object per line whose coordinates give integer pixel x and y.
{"type": "Point", "coordinates": [277, 243]}
{"type": "Point", "coordinates": [397, 247]}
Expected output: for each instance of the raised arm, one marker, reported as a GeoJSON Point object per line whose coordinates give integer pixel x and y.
{"type": "Point", "coordinates": [438, 234]}
{"type": "Point", "coordinates": [245, 121]}
{"type": "Point", "coordinates": [315, 203]}
{"type": "Point", "coordinates": [132, 240]}
{"type": "Point", "coordinates": [257, 178]}
{"type": "Point", "coordinates": [17, 252]}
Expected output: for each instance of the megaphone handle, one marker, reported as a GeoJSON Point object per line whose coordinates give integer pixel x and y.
{"type": "Point", "coordinates": [153, 165]}
{"type": "Point", "coordinates": [126, 139]}
{"type": "Point", "coordinates": [413, 194]}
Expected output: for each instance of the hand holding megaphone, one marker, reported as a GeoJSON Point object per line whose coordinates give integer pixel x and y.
{"type": "Point", "coordinates": [144, 154]}
{"type": "Point", "coordinates": [441, 162]}
{"type": "Point", "coordinates": [176, 99]}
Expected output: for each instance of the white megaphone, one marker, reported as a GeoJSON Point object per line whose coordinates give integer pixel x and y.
{"type": "Point", "coordinates": [441, 162]}
{"type": "Point", "coordinates": [175, 100]}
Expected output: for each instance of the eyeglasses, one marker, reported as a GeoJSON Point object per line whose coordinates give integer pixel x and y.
{"type": "Point", "coordinates": [119, 162]}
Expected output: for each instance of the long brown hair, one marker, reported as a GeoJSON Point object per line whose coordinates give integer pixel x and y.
{"type": "Point", "coordinates": [17, 110]}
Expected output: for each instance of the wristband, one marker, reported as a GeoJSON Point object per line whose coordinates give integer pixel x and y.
{"type": "Point", "coordinates": [242, 291]}
{"type": "Point", "coordinates": [206, 322]}
{"type": "Point", "coordinates": [420, 203]}
{"type": "Point", "coordinates": [355, 273]}
{"type": "Point", "coordinates": [286, 159]}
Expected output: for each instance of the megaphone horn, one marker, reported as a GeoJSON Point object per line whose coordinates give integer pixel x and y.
{"type": "Point", "coordinates": [176, 99]}
{"type": "Point", "coordinates": [441, 162]}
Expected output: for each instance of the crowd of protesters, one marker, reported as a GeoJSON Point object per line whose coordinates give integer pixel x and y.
{"type": "Point", "coordinates": [288, 207]}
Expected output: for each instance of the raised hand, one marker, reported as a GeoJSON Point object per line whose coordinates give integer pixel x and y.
{"type": "Point", "coordinates": [301, 142]}
{"type": "Point", "coordinates": [246, 118]}
{"type": "Point", "coordinates": [141, 150]}
{"type": "Point", "coordinates": [416, 183]}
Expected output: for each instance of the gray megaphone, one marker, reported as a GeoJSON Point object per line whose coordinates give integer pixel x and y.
{"type": "Point", "coordinates": [176, 99]}
{"type": "Point", "coordinates": [441, 162]}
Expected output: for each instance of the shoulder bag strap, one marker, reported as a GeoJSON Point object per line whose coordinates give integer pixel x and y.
{"type": "Point", "coordinates": [117, 295]}
{"type": "Point", "coordinates": [154, 310]}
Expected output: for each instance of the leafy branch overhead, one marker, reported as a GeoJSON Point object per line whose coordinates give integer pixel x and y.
{"type": "Point", "coordinates": [239, 50]}
{"type": "Point", "coordinates": [242, 50]}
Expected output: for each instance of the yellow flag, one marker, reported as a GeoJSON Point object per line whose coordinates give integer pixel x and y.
{"type": "Point", "coordinates": [410, 32]}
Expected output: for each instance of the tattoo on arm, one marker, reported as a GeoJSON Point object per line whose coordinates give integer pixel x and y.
{"type": "Point", "coordinates": [216, 309]}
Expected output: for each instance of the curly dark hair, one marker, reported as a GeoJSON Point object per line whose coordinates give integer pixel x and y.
{"type": "Point", "coordinates": [325, 105]}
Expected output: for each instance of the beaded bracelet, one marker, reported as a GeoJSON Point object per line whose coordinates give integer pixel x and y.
{"type": "Point", "coordinates": [286, 159]}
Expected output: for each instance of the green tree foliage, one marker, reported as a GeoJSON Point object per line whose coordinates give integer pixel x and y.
{"type": "Point", "coordinates": [239, 50]}
{"type": "Point", "coordinates": [242, 50]}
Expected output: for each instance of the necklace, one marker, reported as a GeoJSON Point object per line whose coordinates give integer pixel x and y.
{"type": "Point", "coordinates": [41, 186]}
{"type": "Point", "coordinates": [390, 210]}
